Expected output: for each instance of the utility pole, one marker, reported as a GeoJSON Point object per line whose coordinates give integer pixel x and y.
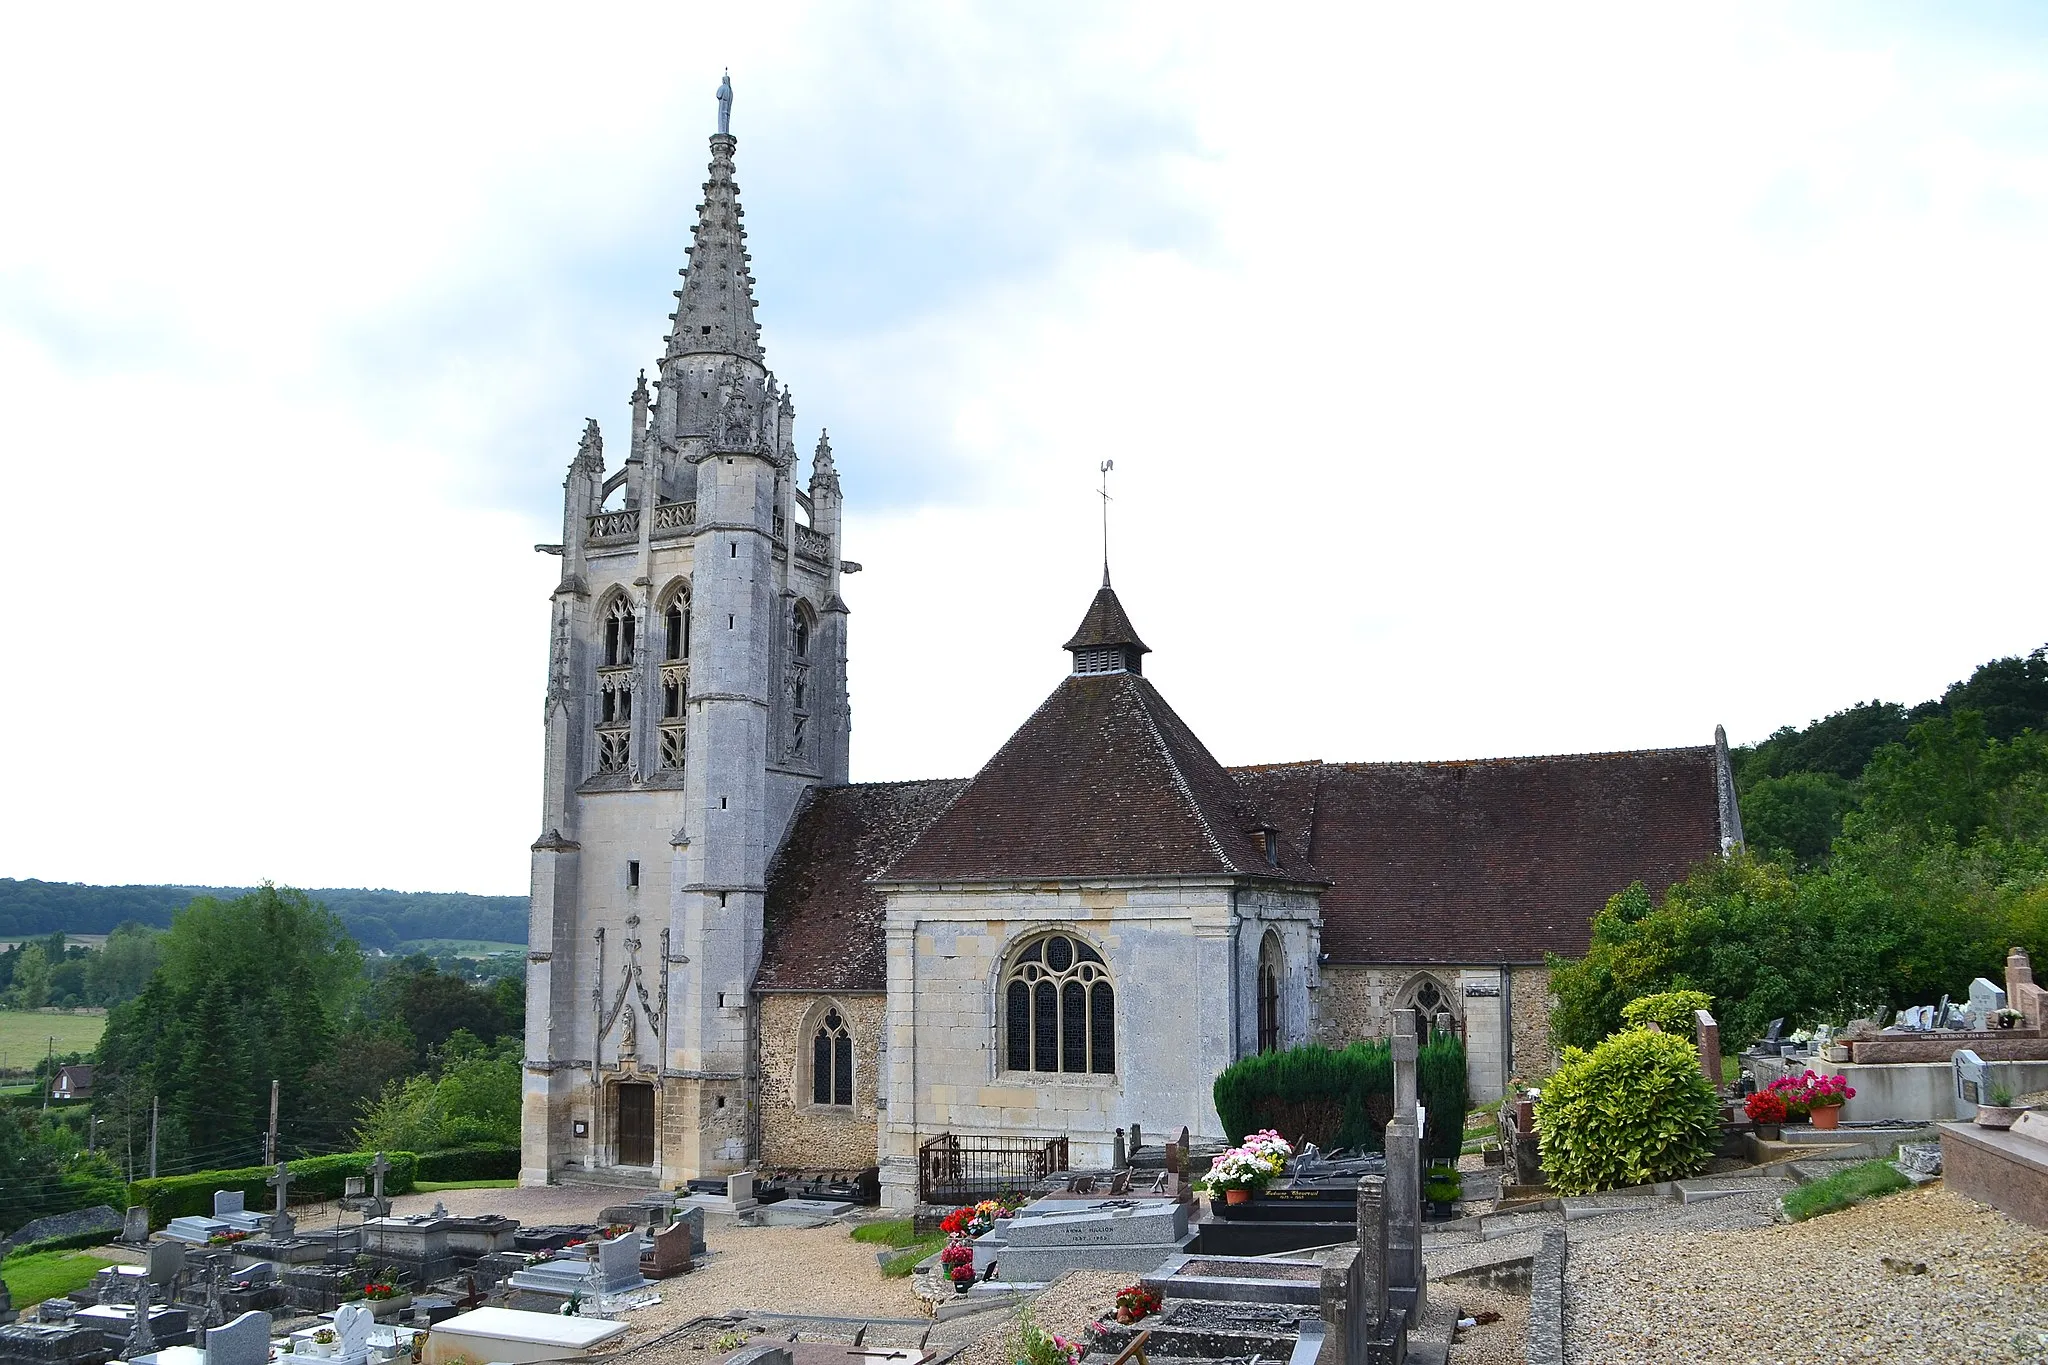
{"type": "Point", "coordinates": [50, 1083]}
{"type": "Point", "coordinates": [152, 1137]}
{"type": "Point", "coordinates": [270, 1139]}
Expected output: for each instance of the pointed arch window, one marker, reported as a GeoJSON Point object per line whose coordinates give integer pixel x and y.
{"type": "Point", "coordinates": [618, 634]}
{"type": "Point", "coordinates": [675, 622]}
{"type": "Point", "coordinates": [1269, 995]}
{"type": "Point", "coordinates": [832, 1061]}
{"type": "Point", "coordinates": [1059, 1008]}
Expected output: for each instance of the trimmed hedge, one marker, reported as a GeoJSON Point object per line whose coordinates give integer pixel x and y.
{"type": "Point", "coordinates": [1343, 1097]}
{"type": "Point", "coordinates": [481, 1162]}
{"type": "Point", "coordinates": [1634, 1110]}
{"type": "Point", "coordinates": [318, 1178]}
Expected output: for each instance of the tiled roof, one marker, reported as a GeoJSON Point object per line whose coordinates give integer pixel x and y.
{"type": "Point", "coordinates": [1104, 780]}
{"type": "Point", "coordinates": [1106, 624]}
{"type": "Point", "coordinates": [1492, 860]}
{"type": "Point", "coordinates": [824, 920]}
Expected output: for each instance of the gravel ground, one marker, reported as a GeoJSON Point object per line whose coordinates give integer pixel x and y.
{"type": "Point", "coordinates": [1067, 1306]}
{"type": "Point", "coordinates": [1503, 1342]}
{"type": "Point", "coordinates": [1709, 1296]}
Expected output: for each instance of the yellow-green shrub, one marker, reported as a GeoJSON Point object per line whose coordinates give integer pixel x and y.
{"type": "Point", "coordinates": [1634, 1110]}
{"type": "Point", "coordinates": [1671, 1011]}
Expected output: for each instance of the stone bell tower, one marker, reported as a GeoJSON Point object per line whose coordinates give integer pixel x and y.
{"type": "Point", "coordinates": [696, 690]}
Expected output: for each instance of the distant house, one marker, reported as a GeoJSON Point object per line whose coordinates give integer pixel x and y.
{"type": "Point", "coordinates": [73, 1083]}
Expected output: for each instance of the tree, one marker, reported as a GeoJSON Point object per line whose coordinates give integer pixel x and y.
{"type": "Point", "coordinates": [31, 987]}
{"type": "Point", "coordinates": [249, 990]}
{"type": "Point", "coordinates": [120, 969]}
{"type": "Point", "coordinates": [1797, 816]}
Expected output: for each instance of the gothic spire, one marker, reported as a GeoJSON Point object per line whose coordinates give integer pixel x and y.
{"type": "Point", "coordinates": [715, 307]}
{"type": "Point", "coordinates": [823, 473]}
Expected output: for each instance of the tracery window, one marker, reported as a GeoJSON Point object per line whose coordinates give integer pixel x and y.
{"type": "Point", "coordinates": [1059, 1008]}
{"type": "Point", "coordinates": [797, 683]}
{"type": "Point", "coordinates": [1428, 1000]}
{"type": "Point", "coordinates": [832, 1061]}
{"type": "Point", "coordinates": [676, 629]}
{"type": "Point", "coordinates": [618, 634]}
{"type": "Point", "coordinates": [674, 679]}
{"type": "Point", "coordinates": [1269, 996]}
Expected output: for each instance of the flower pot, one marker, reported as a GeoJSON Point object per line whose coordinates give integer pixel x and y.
{"type": "Point", "coordinates": [1827, 1116]}
{"type": "Point", "coordinates": [1442, 1210]}
{"type": "Point", "coordinates": [2007, 1023]}
{"type": "Point", "coordinates": [962, 1286]}
{"type": "Point", "coordinates": [1770, 1132]}
{"type": "Point", "coordinates": [1998, 1115]}
{"type": "Point", "coordinates": [1237, 1196]}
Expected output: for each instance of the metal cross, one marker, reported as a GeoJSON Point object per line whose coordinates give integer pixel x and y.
{"type": "Point", "coordinates": [1107, 465]}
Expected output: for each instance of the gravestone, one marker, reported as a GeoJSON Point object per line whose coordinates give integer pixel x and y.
{"type": "Point", "coordinates": [141, 1341]}
{"type": "Point", "coordinates": [1972, 1081]}
{"type": "Point", "coordinates": [166, 1263]}
{"type": "Point", "coordinates": [1371, 1303]}
{"type": "Point", "coordinates": [1707, 1034]}
{"type": "Point", "coordinates": [668, 1252]}
{"type": "Point", "coordinates": [245, 1341]}
{"type": "Point", "coordinates": [352, 1324]}
{"type": "Point", "coordinates": [1986, 998]}
{"type": "Point", "coordinates": [1118, 1158]}
{"type": "Point", "coordinates": [1775, 1032]}
{"type": "Point", "coordinates": [693, 1218]}
{"type": "Point", "coordinates": [1941, 1014]}
{"type": "Point", "coordinates": [618, 1265]}
{"type": "Point", "coordinates": [226, 1202]}
{"type": "Point", "coordinates": [216, 1312]}
{"type": "Point", "coordinates": [135, 1225]}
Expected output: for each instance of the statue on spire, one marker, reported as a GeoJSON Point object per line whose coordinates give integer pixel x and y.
{"type": "Point", "coordinates": [725, 105]}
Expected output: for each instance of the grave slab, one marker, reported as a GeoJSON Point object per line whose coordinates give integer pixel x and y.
{"type": "Point", "coordinates": [516, 1338]}
{"type": "Point", "coordinates": [801, 1213]}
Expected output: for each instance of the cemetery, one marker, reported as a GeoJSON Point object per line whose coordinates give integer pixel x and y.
{"type": "Point", "coordinates": [1421, 1243]}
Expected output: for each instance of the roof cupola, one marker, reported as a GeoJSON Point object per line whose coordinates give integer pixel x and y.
{"type": "Point", "coordinates": [1106, 641]}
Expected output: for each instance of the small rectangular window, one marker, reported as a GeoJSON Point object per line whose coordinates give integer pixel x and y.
{"type": "Point", "coordinates": [633, 873]}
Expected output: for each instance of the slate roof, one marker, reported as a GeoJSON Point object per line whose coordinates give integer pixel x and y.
{"type": "Point", "coordinates": [1490, 860]}
{"type": "Point", "coordinates": [823, 919]}
{"type": "Point", "coordinates": [1103, 780]}
{"type": "Point", "coordinates": [1106, 624]}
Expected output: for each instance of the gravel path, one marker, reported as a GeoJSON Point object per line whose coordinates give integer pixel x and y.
{"type": "Point", "coordinates": [1501, 1342]}
{"type": "Point", "coordinates": [1067, 1306]}
{"type": "Point", "coordinates": [1709, 1297]}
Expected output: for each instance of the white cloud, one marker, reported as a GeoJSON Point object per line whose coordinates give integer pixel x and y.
{"type": "Point", "coordinates": [1505, 381]}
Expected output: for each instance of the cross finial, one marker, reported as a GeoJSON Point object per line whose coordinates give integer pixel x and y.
{"type": "Point", "coordinates": [1107, 465]}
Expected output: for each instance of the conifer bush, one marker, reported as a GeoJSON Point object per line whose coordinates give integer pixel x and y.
{"type": "Point", "coordinates": [1671, 1011]}
{"type": "Point", "coordinates": [1634, 1110]}
{"type": "Point", "coordinates": [1343, 1097]}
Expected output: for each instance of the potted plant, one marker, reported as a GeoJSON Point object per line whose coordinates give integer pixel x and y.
{"type": "Point", "coordinates": [957, 1260]}
{"type": "Point", "coordinates": [2007, 1018]}
{"type": "Point", "coordinates": [1766, 1109]}
{"type": "Point", "coordinates": [2000, 1112]}
{"type": "Point", "coordinates": [386, 1300]}
{"type": "Point", "coordinates": [1441, 1189]}
{"type": "Point", "coordinates": [323, 1342]}
{"type": "Point", "coordinates": [1134, 1302]}
{"type": "Point", "coordinates": [1244, 1170]}
{"type": "Point", "coordinates": [1825, 1096]}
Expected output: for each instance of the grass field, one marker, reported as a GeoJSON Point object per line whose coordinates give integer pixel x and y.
{"type": "Point", "coordinates": [49, 1274]}
{"type": "Point", "coordinates": [436, 1186]}
{"type": "Point", "coordinates": [459, 947]}
{"type": "Point", "coordinates": [25, 1035]}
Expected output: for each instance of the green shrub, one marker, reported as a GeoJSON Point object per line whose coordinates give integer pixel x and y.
{"type": "Point", "coordinates": [1671, 1011]}
{"type": "Point", "coordinates": [320, 1177]}
{"type": "Point", "coordinates": [488, 1161]}
{"type": "Point", "coordinates": [1443, 1185]}
{"type": "Point", "coordinates": [1343, 1097]}
{"type": "Point", "coordinates": [1635, 1109]}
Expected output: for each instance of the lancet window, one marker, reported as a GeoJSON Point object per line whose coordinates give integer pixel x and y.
{"type": "Point", "coordinates": [832, 1061]}
{"type": "Point", "coordinates": [797, 682]}
{"type": "Point", "coordinates": [1059, 1008]}
{"type": "Point", "coordinates": [675, 678]}
{"type": "Point", "coordinates": [1269, 996]}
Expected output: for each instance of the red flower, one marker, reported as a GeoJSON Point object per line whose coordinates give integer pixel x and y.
{"type": "Point", "coordinates": [1765, 1106]}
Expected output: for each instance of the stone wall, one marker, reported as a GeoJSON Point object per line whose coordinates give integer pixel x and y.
{"type": "Point", "coordinates": [1533, 1057]}
{"type": "Point", "coordinates": [794, 1131]}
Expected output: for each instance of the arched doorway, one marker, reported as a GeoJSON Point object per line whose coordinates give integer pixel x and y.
{"type": "Point", "coordinates": [634, 1123]}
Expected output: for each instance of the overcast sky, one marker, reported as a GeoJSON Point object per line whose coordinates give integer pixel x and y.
{"type": "Point", "coordinates": [1479, 381]}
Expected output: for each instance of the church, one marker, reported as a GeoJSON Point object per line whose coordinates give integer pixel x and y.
{"type": "Point", "coordinates": [737, 957]}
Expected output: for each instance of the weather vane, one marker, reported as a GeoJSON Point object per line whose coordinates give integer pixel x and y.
{"type": "Point", "coordinates": [1107, 465]}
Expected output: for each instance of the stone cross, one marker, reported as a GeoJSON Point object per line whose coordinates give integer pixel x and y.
{"type": "Point", "coordinates": [1404, 1165]}
{"type": "Point", "coordinates": [281, 1181]}
{"type": "Point", "coordinates": [141, 1341]}
{"type": "Point", "coordinates": [377, 1170]}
